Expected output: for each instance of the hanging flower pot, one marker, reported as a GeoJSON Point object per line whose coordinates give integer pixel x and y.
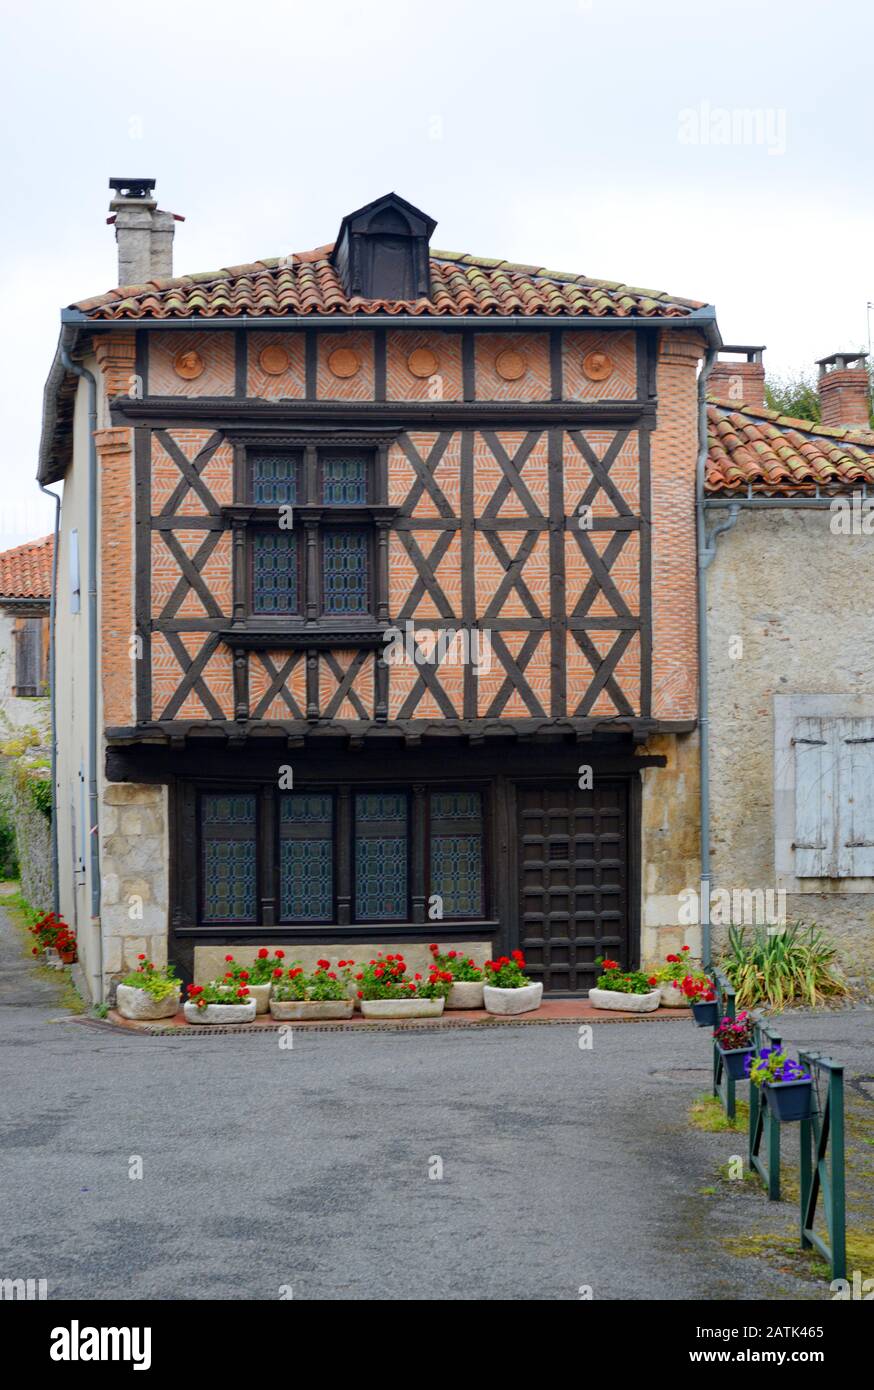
{"type": "Point", "coordinates": [787, 1088]}
{"type": "Point", "coordinates": [698, 992]}
{"type": "Point", "coordinates": [789, 1100]}
{"type": "Point", "coordinates": [733, 1038]}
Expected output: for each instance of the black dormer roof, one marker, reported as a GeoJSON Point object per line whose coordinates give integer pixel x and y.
{"type": "Point", "coordinates": [382, 250]}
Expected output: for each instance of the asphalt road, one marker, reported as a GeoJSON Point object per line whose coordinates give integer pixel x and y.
{"type": "Point", "coordinates": [311, 1167]}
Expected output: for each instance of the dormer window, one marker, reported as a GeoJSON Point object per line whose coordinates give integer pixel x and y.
{"type": "Point", "coordinates": [381, 250]}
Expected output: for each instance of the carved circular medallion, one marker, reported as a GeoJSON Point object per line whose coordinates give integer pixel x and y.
{"type": "Point", "coordinates": [273, 359]}
{"type": "Point", "coordinates": [510, 364]}
{"type": "Point", "coordinates": [188, 365]}
{"type": "Point", "coordinates": [422, 362]}
{"type": "Point", "coordinates": [597, 366]}
{"type": "Point", "coordinates": [344, 362]}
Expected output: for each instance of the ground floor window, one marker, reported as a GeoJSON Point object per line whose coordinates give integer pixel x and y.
{"type": "Point", "coordinates": [359, 854]}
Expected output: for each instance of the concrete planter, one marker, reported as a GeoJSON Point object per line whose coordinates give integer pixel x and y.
{"type": "Point", "coordinates": [286, 1010]}
{"type": "Point", "coordinates": [139, 1003]}
{"type": "Point", "coordinates": [465, 994]}
{"type": "Point", "coordinates": [220, 1013]}
{"type": "Point", "coordinates": [402, 1008]}
{"type": "Point", "coordinates": [261, 995]}
{"type": "Point", "coordinates": [672, 996]}
{"type": "Point", "coordinates": [512, 1001]}
{"type": "Point", "coordinates": [51, 958]}
{"type": "Point", "coordinates": [625, 1003]}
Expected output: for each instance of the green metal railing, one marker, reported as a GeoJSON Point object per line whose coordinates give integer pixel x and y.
{"type": "Point", "coordinates": [821, 1137]}
{"type": "Point", "coordinates": [723, 1084]}
{"type": "Point", "coordinates": [764, 1131]}
{"type": "Point", "coordinates": [822, 1162]}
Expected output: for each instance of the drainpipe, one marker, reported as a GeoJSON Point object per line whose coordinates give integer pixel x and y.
{"type": "Point", "coordinates": [706, 551]}
{"type": "Point", "coordinates": [93, 815]}
{"type": "Point", "coordinates": [56, 887]}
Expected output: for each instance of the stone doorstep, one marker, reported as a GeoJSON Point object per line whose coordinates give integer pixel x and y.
{"type": "Point", "coordinates": [553, 1011]}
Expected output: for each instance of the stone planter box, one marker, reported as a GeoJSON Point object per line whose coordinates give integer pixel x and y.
{"type": "Point", "coordinates": [672, 996]}
{"type": "Point", "coordinates": [465, 994]}
{"type": "Point", "coordinates": [51, 958]}
{"type": "Point", "coordinates": [220, 1013]}
{"type": "Point", "coordinates": [402, 1008]}
{"type": "Point", "coordinates": [512, 1001]}
{"type": "Point", "coordinates": [139, 1003]}
{"type": "Point", "coordinates": [287, 1010]}
{"type": "Point", "coordinates": [261, 995]}
{"type": "Point", "coordinates": [626, 1003]}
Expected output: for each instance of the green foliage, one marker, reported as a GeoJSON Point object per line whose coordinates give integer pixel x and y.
{"type": "Point", "coordinates": [793, 395]}
{"type": "Point", "coordinates": [623, 981]}
{"type": "Point", "coordinates": [321, 984]}
{"type": "Point", "coordinates": [160, 984]}
{"type": "Point", "coordinates": [41, 795]}
{"type": "Point", "coordinates": [461, 967]}
{"type": "Point", "coordinates": [791, 966]}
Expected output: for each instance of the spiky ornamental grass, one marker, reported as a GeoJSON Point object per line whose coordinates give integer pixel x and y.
{"type": "Point", "coordinates": [794, 965]}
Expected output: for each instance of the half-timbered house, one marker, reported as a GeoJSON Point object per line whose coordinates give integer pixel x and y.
{"type": "Point", "coordinates": [390, 627]}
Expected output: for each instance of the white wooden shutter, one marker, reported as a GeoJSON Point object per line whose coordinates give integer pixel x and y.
{"type": "Point", "coordinates": [815, 778]}
{"type": "Point", "coordinates": [855, 803]}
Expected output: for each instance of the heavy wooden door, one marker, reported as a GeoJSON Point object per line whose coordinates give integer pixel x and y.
{"type": "Point", "coordinates": [573, 880]}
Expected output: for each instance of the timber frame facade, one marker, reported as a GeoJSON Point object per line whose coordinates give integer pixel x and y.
{"type": "Point", "coordinates": [281, 501]}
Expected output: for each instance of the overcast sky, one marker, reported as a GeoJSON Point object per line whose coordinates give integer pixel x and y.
{"type": "Point", "coordinates": [717, 150]}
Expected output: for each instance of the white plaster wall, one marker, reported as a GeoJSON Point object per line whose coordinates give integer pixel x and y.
{"type": "Point", "coordinates": [801, 600]}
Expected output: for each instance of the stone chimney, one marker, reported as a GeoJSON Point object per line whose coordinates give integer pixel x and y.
{"type": "Point", "coordinates": [742, 383]}
{"type": "Point", "coordinates": [844, 390]}
{"type": "Point", "coordinates": [143, 232]}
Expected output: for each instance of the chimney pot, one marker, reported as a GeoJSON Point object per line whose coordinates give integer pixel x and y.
{"type": "Point", "coordinates": [143, 232]}
{"type": "Point", "coordinates": [742, 383]}
{"type": "Point", "coordinates": [844, 390]}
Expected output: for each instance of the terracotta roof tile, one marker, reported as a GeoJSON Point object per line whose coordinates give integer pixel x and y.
{"type": "Point", "coordinates": [26, 571]}
{"type": "Point", "coordinates": [308, 284]}
{"type": "Point", "coordinates": [751, 449]}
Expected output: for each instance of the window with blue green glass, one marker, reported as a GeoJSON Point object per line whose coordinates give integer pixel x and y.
{"type": "Point", "coordinates": [381, 855]}
{"type": "Point", "coordinates": [306, 857]}
{"type": "Point", "coordinates": [275, 571]}
{"type": "Point", "coordinates": [345, 477]}
{"type": "Point", "coordinates": [456, 851]}
{"type": "Point", "coordinates": [228, 823]}
{"type": "Point", "coordinates": [346, 571]}
{"type": "Point", "coordinates": [276, 476]}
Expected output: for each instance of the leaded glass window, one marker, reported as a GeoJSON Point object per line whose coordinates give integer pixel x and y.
{"type": "Point", "coordinates": [456, 851]}
{"type": "Point", "coordinates": [346, 567]}
{"type": "Point", "coordinates": [381, 851]}
{"type": "Point", "coordinates": [228, 834]}
{"type": "Point", "coordinates": [275, 477]}
{"type": "Point", "coordinates": [345, 477]}
{"type": "Point", "coordinates": [306, 857]}
{"type": "Point", "coordinates": [275, 570]}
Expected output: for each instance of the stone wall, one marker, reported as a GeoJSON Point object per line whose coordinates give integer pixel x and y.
{"type": "Point", "coordinates": [134, 876]}
{"type": "Point", "coordinates": [670, 843]}
{"type": "Point", "coordinates": [33, 838]}
{"type": "Point", "coordinates": [790, 613]}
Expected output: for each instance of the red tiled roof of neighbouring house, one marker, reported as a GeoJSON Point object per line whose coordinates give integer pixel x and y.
{"type": "Point", "coordinates": [307, 283]}
{"type": "Point", "coordinates": [752, 449]}
{"type": "Point", "coordinates": [26, 571]}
